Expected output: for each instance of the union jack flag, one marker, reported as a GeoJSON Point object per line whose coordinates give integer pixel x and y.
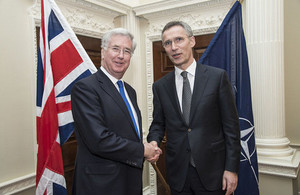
{"type": "Point", "coordinates": [61, 62]}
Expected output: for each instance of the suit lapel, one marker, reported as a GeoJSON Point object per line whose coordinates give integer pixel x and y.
{"type": "Point", "coordinates": [111, 90]}
{"type": "Point", "coordinates": [199, 87]}
{"type": "Point", "coordinates": [170, 87]}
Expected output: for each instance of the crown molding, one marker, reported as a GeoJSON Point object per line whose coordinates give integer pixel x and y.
{"type": "Point", "coordinates": [84, 17]}
{"type": "Point", "coordinates": [164, 5]}
{"type": "Point", "coordinates": [204, 16]}
{"type": "Point", "coordinates": [170, 7]}
{"type": "Point", "coordinates": [104, 9]}
{"type": "Point", "coordinates": [113, 5]}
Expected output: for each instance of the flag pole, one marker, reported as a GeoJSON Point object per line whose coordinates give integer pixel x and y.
{"type": "Point", "coordinates": [161, 177]}
{"type": "Point", "coordinates": [233, 2]}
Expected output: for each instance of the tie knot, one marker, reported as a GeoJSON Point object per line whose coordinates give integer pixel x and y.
{"type": "Point", "coordinates": [184, 74]}
{"type": "Point", "coordinates": [120, 84]}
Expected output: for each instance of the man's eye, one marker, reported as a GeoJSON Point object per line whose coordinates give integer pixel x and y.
{"type": "Point", "coordinates": [115, 49]}
{"type": "Point", "coordinates": [127, 51]}
{"type": "Point", "coordinates": [178, 39]}
{"type": "Point", "coordinates": [167, 43]}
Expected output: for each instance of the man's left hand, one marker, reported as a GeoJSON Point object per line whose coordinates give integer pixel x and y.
{"type": "Point", "coordinates": [230, 181]}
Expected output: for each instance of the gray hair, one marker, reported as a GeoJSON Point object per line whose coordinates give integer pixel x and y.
{"type": "Point", "coordinates": [184, 25]}
{"type": "Point", "coordinates": [117, 31]}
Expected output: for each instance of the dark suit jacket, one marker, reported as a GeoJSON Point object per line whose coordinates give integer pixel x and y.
{"type": "Point", "coordinates": [109, 153]}
{"type": "Point", "coordinates": [213, 135]}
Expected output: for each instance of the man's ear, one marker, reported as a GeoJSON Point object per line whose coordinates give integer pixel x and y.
{"type": "Point", "coordinates": [102, 53]}
{"type": "Point", "coordinates": [192, 41]}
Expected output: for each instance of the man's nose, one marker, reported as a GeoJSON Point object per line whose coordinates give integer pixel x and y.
{"type": "Point", "coordinates": [121, 54]}
{"type": "Point", "coordinates": [174, 45]}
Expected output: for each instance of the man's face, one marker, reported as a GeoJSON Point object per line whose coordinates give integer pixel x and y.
{"type": "Point", "coordinates": [116, 58]}
{"type": "Point", "coordinates": [178, 46]}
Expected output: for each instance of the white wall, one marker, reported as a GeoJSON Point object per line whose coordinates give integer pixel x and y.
{"type": "Point", "coordinates": [17, 86]}
{"type": "Point", "coordinates": [292, 69]}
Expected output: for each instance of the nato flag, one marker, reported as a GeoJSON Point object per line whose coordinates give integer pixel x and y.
{"type": "Point", "coordinates": [227, 50]}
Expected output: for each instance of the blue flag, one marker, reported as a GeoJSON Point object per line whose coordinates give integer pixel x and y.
{"type": "Point", "coordinates": [227, 50]}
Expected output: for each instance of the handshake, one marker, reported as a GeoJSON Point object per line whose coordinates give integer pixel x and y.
{"type": "Point", "coordinates": [152, 151]}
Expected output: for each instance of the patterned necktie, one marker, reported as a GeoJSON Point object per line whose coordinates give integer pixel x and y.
{"type": "Point", "coordinates": [121, 88]}
{"type": "Point", "coordinates": [186, 97]}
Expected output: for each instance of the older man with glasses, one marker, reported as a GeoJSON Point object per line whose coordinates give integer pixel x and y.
{"type": "Point", "coordinates": [110, 151]}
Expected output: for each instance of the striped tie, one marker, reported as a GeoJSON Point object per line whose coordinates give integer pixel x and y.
{"type": "Point", "coordinates": [121, 88]}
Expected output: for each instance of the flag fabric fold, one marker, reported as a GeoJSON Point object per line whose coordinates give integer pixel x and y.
{"type": "Point", "coordinates": [227, 50]}
{"type": "Point", "coordinates": [61, 62]}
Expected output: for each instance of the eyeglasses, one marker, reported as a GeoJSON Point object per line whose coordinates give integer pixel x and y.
{"type": "Point", "coordinates": [176, 41]}
{"type": "Point", "coordinates": [117, 50]}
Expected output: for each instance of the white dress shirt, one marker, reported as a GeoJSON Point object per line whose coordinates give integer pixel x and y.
{"type": "Point", "coordinates": [179, 80]}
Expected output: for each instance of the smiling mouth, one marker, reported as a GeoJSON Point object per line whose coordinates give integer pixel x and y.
{"type": "Point", "coordinates": [119, 63]}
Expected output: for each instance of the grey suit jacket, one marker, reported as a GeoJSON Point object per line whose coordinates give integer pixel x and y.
{"type": "Point", "coordinates": [212, 136]}
{"type": "Point", "coordinates": [109, 153]}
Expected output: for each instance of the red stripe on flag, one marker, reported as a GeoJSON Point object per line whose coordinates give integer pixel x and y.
{"type": "Point", "coordinates": [64, 59]}
{"type": "Point", "coordinates": [55, 162]}
{"type": "Point", "coordinates": [47, 129]}
{"type": "Point", "coordinates": [63, 107]}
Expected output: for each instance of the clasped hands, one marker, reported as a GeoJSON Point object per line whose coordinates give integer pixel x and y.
{"type": "Point", "coordinates": [152, 151]}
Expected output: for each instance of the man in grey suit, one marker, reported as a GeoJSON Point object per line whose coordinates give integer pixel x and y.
{"type": "Point", "coordinates": [110, 151]}
{"type": "Point", "coordinates": [195, 107]}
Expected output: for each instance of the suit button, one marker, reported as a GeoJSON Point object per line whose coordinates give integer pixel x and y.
{"type": "Point", "coordinates": [188, 150]}
{"type": "Point", "coordinates": [189, 130]}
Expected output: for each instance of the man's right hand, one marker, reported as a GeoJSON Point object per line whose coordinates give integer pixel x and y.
{"type": "Point", "coordinates": [152, 151]}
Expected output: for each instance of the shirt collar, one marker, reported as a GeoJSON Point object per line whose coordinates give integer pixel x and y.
{"type": "Point", "coordinates": [113, 79]}
{"type": "Point", "coordinates": [191, 69]}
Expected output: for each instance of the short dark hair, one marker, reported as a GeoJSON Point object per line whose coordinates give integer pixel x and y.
{"type": "Point", "coordinates": [184, 25]}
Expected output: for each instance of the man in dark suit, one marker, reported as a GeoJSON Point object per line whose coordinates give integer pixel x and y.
{"type": "Point", "coordinates": [195, 107]}
{"type": "Point", "coordinates": [108, 129]}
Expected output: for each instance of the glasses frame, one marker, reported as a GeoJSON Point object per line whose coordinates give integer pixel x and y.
{"type": "Point", "coordinates": [177, 41]}
{"type": "Point", "coordinates": [117, 50]}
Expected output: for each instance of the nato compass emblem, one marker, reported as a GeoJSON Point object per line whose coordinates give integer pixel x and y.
{"type": "Point", "coordinates": [248, 153]}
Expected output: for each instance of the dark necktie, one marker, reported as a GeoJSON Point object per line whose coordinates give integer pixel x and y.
{"type": "Point", "coordinates": [186, 103]}
{"type": "Point", "coordinates": [186, 97]}
{"type": "Point", "coordinates": [121, 88]}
